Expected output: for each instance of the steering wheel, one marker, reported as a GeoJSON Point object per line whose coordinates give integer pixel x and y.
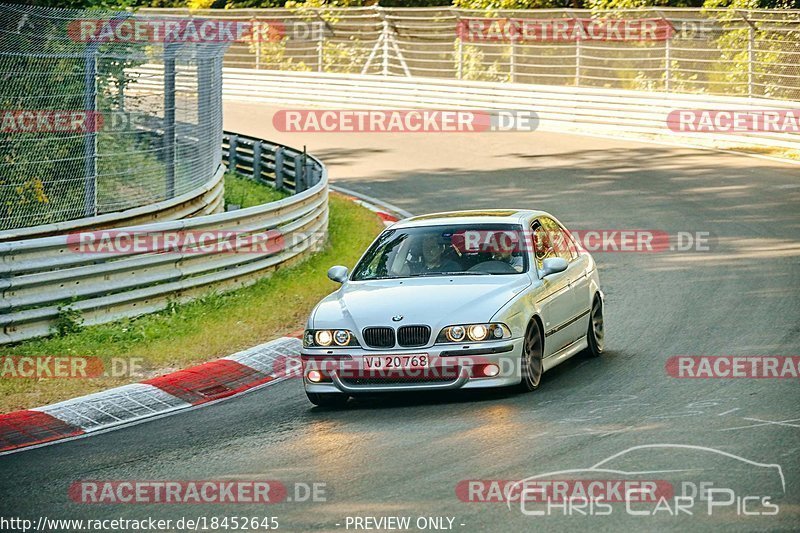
{"type": "Point", "coordinates": [493, 267]}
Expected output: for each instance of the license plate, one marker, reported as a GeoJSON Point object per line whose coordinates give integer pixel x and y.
{"type": "Point", "coordinates": [400, 362]}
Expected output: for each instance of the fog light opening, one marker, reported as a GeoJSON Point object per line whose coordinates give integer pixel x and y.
{"type": "Point", "coordinates": [314, 376]}
{"type": "Point", "coordinates": [491, 371]}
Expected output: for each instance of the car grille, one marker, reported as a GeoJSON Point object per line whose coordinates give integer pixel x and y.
{"type": "Point", "coordinates": [410, 336]}
{"type": "Point", "coordinates": [379, 337]}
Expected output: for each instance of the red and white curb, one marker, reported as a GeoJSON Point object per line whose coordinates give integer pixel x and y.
{"type": "Point", "coordinates": [205, 383]}
{"type": "Point", "coordinates": [248, 370]}
{"type": "Point", "coordinates": [387, 212]}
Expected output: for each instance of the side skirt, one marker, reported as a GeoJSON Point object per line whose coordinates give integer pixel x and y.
{"type": "Point", "coordinates": [565, 353]}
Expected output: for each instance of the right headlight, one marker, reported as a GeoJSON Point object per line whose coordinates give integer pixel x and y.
{"type": "Point", "coordinates": [473, 333]}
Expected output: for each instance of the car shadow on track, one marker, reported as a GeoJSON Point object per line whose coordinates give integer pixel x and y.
{"type": "Point", "coordinates": [558, 380]}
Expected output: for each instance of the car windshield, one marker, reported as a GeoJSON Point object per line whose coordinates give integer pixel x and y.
{"type": "Point", "coordinates": [462, 249]}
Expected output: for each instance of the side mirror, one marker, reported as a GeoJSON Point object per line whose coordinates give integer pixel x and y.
{"type": "Point", "coordinates": [339, 273]}
{"type": "Point", "coordinates": [551, 265]}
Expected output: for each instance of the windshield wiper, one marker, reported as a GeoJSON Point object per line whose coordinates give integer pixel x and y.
{"type": "Point", "coordinates": [461, 273]}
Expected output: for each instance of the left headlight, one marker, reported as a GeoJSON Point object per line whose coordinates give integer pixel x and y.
{"type": "Point", "coordinates": [473, 333]}
{"type": "Point", "coordinates": [328, 338]}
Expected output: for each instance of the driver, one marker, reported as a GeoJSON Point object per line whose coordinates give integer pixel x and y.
{"type": "Point", "coordinates": [505, 253]}
{"type": "Point", "coordinates": [433, 257]}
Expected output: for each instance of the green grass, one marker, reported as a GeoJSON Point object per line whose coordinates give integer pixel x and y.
{"type": "Point", "coordinates": [245, 192]}
{"type": "Point", "coordinates": [208, 328]}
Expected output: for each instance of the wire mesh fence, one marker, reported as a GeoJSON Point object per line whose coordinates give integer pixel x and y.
{"type": "Point", "coordinates": [753, 53]}
{"type": "Point", "coordinates": [83, 132]}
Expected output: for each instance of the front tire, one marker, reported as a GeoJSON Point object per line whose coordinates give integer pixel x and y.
{"type": "Point", "coordinates": [596, 333]}
{"type": "Point", "coordinates": [531, 362]}
{"type": "Point", "coordinates": [333, 399]}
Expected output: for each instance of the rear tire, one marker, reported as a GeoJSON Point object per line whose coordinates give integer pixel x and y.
{"type": "Point", "coordinates": [531, 361]}
{"type": "Point", "coordinates": [331, 399]}
{"type": "Point", "coordinates": [596, 332]}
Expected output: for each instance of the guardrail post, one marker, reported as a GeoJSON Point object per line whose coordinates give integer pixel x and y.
{"type": "Point", "coordinates": [308, 173]}
{"type": "Point", "coordinates": [169, 118]}
{"type": "Point", "coordinates": [279, 167]}
{"type": "Point", "coordinates": [299, 174]}
{"type": "Point", "coordinates": [257, 160]}
{"type": "Point", "coordinates": [233, 143]}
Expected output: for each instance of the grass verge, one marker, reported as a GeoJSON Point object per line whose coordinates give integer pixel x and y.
{"type": "Point", "coordinates": [208, 328]}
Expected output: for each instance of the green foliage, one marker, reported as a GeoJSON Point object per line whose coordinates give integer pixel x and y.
{"type": "Point", "coordinates": [490, 5]}
{"type": "Point", "coordinates": [246, 192]}
{"type": "Point", "coordinates": [474, 65]}
{"type": "Point", "coordinates": [68, 321]}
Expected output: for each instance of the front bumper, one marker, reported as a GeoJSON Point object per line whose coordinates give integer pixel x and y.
{"type": "Point", "coordinates": [461, 362]}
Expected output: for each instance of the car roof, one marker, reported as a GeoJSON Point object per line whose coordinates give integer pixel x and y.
{"type": "Point", "coordinates": [475, 216]}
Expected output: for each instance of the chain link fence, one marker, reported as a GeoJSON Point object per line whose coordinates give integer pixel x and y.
{"type": "Point", "coordinates": [753, 53]}
{"type": "Point", "coordinates": [82, 132]}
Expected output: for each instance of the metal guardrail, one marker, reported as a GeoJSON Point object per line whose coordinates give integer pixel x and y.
{"type": "Point", "coordinates": [37, 276]}
{"type": "Point", "coordinates": [606, 111]}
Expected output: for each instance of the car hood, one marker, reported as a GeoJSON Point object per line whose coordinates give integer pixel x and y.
{"type": "Point", "coordinates": [435, 301]}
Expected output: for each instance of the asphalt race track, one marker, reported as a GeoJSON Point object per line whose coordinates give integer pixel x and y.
{"type": "Point", "coordinates": [405, 456]}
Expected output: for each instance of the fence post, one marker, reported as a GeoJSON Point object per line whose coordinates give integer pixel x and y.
{"type": "Point", "coordinates": [668, 65]}
{"type": "Point", "coordinates": [751, 57]}
{"type": "Point", "coordinates": [460, 71]}
{"type": "Point", "coordinates": [256, 36]}
{"type": "Point", "coordinates": [385, 68]}
{"type": "Point", "coordinates": [279, 167]}
{"type": "Point", "coordinates": [751, 53]}
{"type": "Point", "coordinates": [320, 50]}
{"type": "Point", "coordinates": [90, 140]}
{"type": "Point", "coordinates": [459, 47]}
{"type": "Point", "coordinates": [513, 65]}
{"type": "Point", "coordinates": [578, 53]}
{"type": "Point", "coordinates": [169, 118]}
{"type": "Point", "coordinates": [233, 143]}
{"type": "Point", "coordinates": [257, 160]}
